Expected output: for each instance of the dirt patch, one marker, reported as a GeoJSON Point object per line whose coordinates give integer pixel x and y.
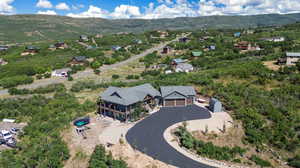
{"type": "Point", "coordinates": [272, 65]}
{"type": "Point", "coordinates": [134, 158]}
{"type": "Point", "coordinates": [81, 148]}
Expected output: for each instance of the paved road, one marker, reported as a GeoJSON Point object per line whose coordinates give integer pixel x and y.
{"type": "Point", "coordinates": [90, 72]}
{"type": "Point", "coordinates": [147, 135]}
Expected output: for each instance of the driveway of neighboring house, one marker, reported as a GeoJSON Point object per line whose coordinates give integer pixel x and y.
{"type": "Point", "coordinates": [147, 136]}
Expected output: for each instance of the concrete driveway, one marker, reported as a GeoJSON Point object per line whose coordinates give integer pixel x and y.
{"type": "Point", "coordinates": [147, 135]}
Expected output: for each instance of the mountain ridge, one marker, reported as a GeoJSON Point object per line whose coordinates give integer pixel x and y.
{"type": "Point", "coordinates": [30, 28]}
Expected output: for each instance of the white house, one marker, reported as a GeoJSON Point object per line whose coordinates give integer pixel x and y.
{"type": "Point", "coordinates": [184, 67]}
{"type": "Point", "coordinates": [61, 72]}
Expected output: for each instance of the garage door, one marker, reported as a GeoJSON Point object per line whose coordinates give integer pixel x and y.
{"type": "Point", "coordinates": [180, 102]}
{"type": "Point", "coordinates": [190, 101]}
{"type": "Point", "coordinates": [169, 103]}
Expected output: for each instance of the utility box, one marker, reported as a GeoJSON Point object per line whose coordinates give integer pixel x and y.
{"type": "Point", "coordinates": [215, 105]}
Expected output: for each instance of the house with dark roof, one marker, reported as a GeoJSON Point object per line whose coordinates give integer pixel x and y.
{"type": "Point", "coordinates": [174, 96]}
{"type": "Point", "coordinates": [78, 60]}
{"type": "Point", "coordinates": [120, 103]}
{"type": "Point", "coordinates": [30, 50]}
{"type": "Point", "coordinates": [166, 50]}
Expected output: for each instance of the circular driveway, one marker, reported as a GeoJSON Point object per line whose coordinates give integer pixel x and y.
{"type": "Point", "coordinates": [147, 136]}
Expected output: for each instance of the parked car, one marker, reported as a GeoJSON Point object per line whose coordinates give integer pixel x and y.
{"type": "Point", "coordinates": [2, 141]}
{"type": "Point", "coordinates": [12, 143]}
{"type": "Point", "coordinates": [6, 135]}
{"type": "Point", "coordinates": [14, 130]}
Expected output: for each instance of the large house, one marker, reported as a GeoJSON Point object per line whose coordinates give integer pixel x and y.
{"type": "Point", "coordinates": [246, 46]}
{"type": "Point", "coordinates": [291, 58]}
{"type": "Point", "coordinates": [174, 96]}
{"type": "Point", "coordinates": [120, 103]}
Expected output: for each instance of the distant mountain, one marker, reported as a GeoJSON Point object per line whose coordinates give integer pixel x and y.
{"type": "Point", "coordinates": [28, 28]}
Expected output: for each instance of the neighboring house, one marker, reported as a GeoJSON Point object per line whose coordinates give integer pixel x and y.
{"type": "Point", "coordinates": [59, 45]}
{"type": "Point", "coordinates": [177, 61]}
{"type": "Point", "coordinates": [237, 34]}
{"type": "Point", "coordinates": [212, 47]}
{"type": "Point", "coordinates": [246, 46]}
{"type": "Point", "coordinates": [137, 41]}
{"type": "Point", "coordinates": [197, 53]}
{"type": "Point", "coordinates": [61, 72]}
{"type": "Point", "coordinates": [2, 62]}
{"type": "Point", "coordinates": [204, 38]}
{"type": "Point", "coordinates": [30, 50]}
{"type": "Point", "coordinates": [173, 96]}
{"type": "Point", "coordinates": [163, 34]}
{"type": "Point", "coordinates": [3, 48]}
{"type": "Point", "coordinates": [291, 58]}
{"type": "Point", "coordinates": [78, 60]}
{"type": "Point", "coordinates": [274, 39]}
{"type": "Point", "coordinates": [184, 67]}
{"type": "Point", "coordinates": [183, 39]}
{"type": "Point", "coordinates": [120, 103]}
{"type": "Point", "coordinates": [166, 50]}
{"type": "Point", "coordinates": [99, 36]}
{"type": "Point", "coordinates": [215, 105]}
{"type": "Point", "coordinates": [83, 38]}
{"type": "Point", "coordinates": [168, 71]}
{"type": "Point", "coordinates": [116, 48]}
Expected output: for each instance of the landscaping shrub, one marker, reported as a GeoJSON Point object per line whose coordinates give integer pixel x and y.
{"type": "Point", "coordinates": [260, 162]}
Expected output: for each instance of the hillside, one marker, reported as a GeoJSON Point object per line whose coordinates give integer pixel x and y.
{"type": "Point", "coordinates": [28, 28]}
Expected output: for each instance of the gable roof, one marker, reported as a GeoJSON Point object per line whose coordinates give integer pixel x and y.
{"type": "Point", "coordinates": [128, 96]}
{"type": "Point", "coordinates": [183, 90]}
{"type": "Point", "coordinates": [293, 54]}
{"type": "Point", "coordinates": [185, 66]}
{"type": "Point", "coordinates": [179, 60]}
{"type": "Point", "coordinates": [79, 58]}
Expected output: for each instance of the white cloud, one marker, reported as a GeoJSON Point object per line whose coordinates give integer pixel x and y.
{"type": "Point", "coordinates": [48, 12]}
{"type": "Point", "coordinates": [44, 4]}
{"type": "Point", "coordinates": [126, 12]}
{"type": "Point", "coordinates": [93, 11]}
{"type": "Point", "coordinates": [185, 8]}
{"type": "Point", "coordinates": [62, 6]}
{"type": "Point", "coordinates": [6, 7]}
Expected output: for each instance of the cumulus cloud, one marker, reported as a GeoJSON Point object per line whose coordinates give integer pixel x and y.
{"type": "Point", "coordinates": [126, 12]}
{"type": "Point", "coordinates": [62, 6]}
{"type": "Point", "coordinates": [93, 12]}
{"type": "Point", "coordinates": [48, 12]}
{"type": "Point", "coordinates": [44, 4]}
{"type": "Point", "coordinates": [185, 8]}
{"type": "Point", "coordinates": [6, 7]}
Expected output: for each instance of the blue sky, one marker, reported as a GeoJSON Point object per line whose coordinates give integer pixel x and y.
{"type": "Point", "coordinates": [147, 9]}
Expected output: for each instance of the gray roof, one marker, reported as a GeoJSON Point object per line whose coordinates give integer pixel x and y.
{"type": "Point", "coordinates": [185, 66]}
{"type": "Point", "coordinates": [293, 54]}
{"type": "Point", "coordinates": [128, 96]}
{"type": "Point", "coordinates": [80, 58]}
{"type": "Point", "coordinates": [184, 90]}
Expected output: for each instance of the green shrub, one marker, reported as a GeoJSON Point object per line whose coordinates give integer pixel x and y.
{"type": "Point", "coordinates": [115, 76]}
{"type": "Point", "coordinates": [15, 81]}
{"type": "Point", "coordinates": [260, 162]}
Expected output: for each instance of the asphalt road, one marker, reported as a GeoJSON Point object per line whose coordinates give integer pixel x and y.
{"type": "Point", "coordinates": [147, 135]}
